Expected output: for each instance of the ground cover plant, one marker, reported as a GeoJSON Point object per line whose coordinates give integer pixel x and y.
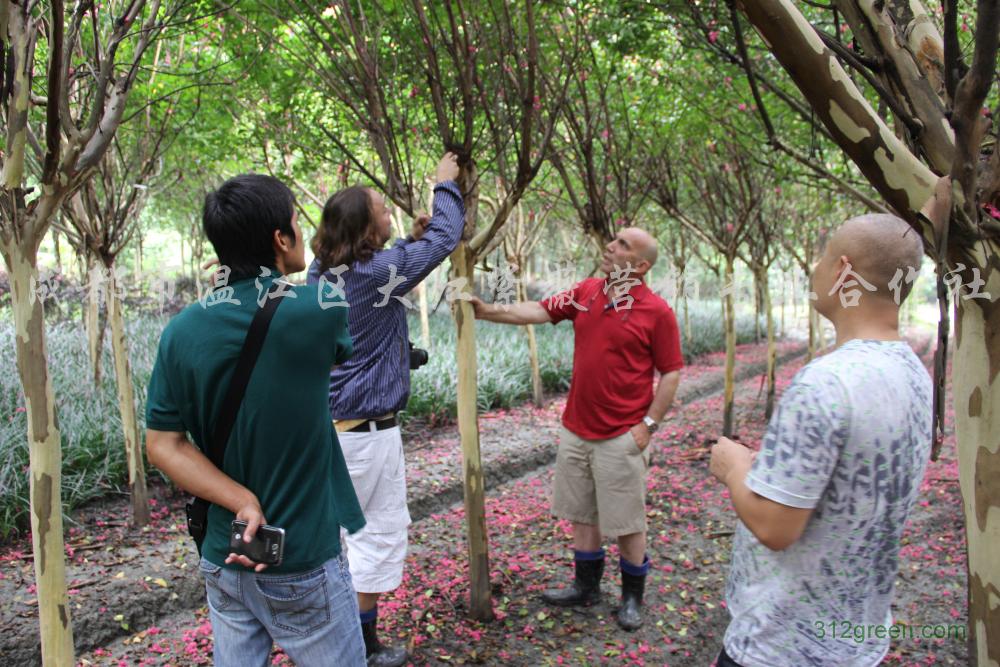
{"type": "Point", "coordinates": [93, 452]}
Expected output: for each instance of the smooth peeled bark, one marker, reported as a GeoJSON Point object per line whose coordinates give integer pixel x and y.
{"type": "Point", "coordinates": [687, 318]}
{"type": "Point", "coordinates": [772, 350]}
{"type": "Point", "coordinates": [537, 394]}
{"type": "Point", "coordinates": [480, 602]}
{"type": "Point", "coordinates": [95, 328]}
{"type": "Point", "coordinates": [783, 307]}
{"type": "Point", "coordinates": [126, 406]}
{"type": "Point", "coordinates": [730, 324]}
{"type": "Point", "coordinates": [975, 367]}
{"type": "Point", "coordinates": [425, 320]}
{"type": "Point", "coordinates": [906, 184]}
{"type": "Point", "coordinates": [758, 305]}
{"type": "Point", "coordinates": [813, 333]}
{"type": "Point", "coordinates": [45, 455]}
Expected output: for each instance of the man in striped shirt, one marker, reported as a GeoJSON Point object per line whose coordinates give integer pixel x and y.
{"type": "Point", "coordinates": [369, 389]}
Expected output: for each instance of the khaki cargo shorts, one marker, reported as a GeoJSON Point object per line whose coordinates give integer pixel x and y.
{"type": "Point", "coordinates": [601, 482]}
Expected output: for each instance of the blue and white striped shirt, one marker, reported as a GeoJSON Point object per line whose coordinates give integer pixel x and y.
{"type": "Point", "coordinates": [376, 379]}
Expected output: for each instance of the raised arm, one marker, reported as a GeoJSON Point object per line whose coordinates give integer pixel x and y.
{"type": "Point", "coordinates": [525, 312]}
{"type": "Point", "coordinates": [434, 238]}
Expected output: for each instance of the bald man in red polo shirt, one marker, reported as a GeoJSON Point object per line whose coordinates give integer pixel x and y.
{"type": "Point", "coordinates": [623, 333]}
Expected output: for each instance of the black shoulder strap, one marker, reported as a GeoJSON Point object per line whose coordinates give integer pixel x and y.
{"type": "Point", "coordinates": [252, 346]}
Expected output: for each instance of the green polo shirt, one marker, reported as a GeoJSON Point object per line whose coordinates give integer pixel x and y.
{"type": "Point", "coordinates": [283, 446]}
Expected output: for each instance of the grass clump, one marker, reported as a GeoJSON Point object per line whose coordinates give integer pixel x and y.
{"type": "Point", "coordinates": [93, 448]}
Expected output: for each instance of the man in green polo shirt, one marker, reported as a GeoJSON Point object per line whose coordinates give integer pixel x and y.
{"type": "Point", "coordinates": [282, 465]}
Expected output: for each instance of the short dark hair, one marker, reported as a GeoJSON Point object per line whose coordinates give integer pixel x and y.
{"type": "Point", "coordinates": [344, 234]}
{"type": "Point", "coordinates": [240, 219]}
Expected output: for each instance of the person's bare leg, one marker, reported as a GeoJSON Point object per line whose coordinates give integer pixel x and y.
{"type": "Point", "coordinates": [586, 537]}
{"type": "Point", "coordinates": [633, 547]}
{"type": "Point", "coordinates": [366, 601]}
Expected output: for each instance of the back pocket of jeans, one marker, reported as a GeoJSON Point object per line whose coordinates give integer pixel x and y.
{"type": "Point", "coordinates": [298, 603]}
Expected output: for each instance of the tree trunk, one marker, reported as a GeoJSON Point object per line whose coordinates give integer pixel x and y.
{"type": "Point", "coordinates": [730, 332]}
{"type": "Point", "coordinates": [977, 429]}
{"type": "Point", "coordinates": [92, 319]}
{"type": "Point", "coordinates": [772, 350]}
{"type": "Point", "coordinates": [687, 318]}
{"type": "Point", "coordinates": [683, 296]}
{"type": "Point", "coordinates": [138, 257]}
{"type": "Point", "coordinates": [783, 286]}
{"type": "Point", "coordinates": [45, 454]}
{"type": "Point", "coordinates": [820, 332]}
{"type": "Point", "coordinates": [55, 246]}
{"type": "Point", "coordinates": [795, 303]}
{"type": "Point", "coordinates": [480, 603]}
{"type": "Point", "coordinates": [811, 317]}
{"type": "Point", "coordinates": [126, 407]}
{"type": "Point", "coordinates": [758, 306]}
{"type": "Point", "coordinates": [537, 394]}
{"type": "Point", "coordinates": [425, 320]}
{"type": "Point", "coordinates": [811, 314]}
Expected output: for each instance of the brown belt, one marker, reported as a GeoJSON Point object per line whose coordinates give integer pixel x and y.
{"type": "Point", "coordinates": [363, 425]}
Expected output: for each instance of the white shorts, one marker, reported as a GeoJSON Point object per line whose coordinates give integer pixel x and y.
{"type": "Point", "coordinates": [375, 554]}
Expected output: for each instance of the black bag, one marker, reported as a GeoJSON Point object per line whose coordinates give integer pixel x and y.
{"type": "Point", "coordinates": [197, 508]}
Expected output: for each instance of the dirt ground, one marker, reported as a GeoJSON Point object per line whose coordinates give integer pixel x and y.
{"type": "Point", "coordinates": [137, 600]}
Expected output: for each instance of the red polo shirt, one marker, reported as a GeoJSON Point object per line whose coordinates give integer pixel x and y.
{"type": "Point", "coordinates": [614, 354]}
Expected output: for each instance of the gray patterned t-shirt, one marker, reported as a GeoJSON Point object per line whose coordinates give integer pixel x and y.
{"type": "Point", "coordinates": [850, 438]}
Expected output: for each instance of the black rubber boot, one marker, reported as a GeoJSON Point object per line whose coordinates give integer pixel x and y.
{"type": "Point", "coordinates": [378, 655]}
{"type": "Point", "coordinates": [585, 589]}
{"type": "Point", "coordinates": [630, 613]}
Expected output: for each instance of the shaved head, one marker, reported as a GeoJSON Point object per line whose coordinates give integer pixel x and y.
{"type": "Point", "coordinates": [642, 242]}
{"type": "Point", "coordinates": [877, 246]}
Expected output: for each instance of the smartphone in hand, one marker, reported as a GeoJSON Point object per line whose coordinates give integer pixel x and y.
{"type": "Point", "coordinates": [267, 546]}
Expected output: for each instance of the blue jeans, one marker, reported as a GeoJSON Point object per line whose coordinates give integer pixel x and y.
{"type": "Point", "coordinates": [312, 615]}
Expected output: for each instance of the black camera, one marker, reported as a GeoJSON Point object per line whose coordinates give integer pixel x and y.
{"type": "Point", "coordinates": [418, 357]}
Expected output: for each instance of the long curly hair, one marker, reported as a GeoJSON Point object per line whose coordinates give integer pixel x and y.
{"type": "Point", "coordinates": [346, 230]}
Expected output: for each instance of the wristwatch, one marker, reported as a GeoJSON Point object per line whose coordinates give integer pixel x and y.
{"type": "Point", "coordinates": [651, 424]}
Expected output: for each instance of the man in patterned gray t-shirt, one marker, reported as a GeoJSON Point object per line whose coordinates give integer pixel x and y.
{"type": "Point", "coordinates": [822, 506]}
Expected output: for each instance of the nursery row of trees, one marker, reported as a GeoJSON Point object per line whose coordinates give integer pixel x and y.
{"type": "Point", "coordinates": [736, 131]}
